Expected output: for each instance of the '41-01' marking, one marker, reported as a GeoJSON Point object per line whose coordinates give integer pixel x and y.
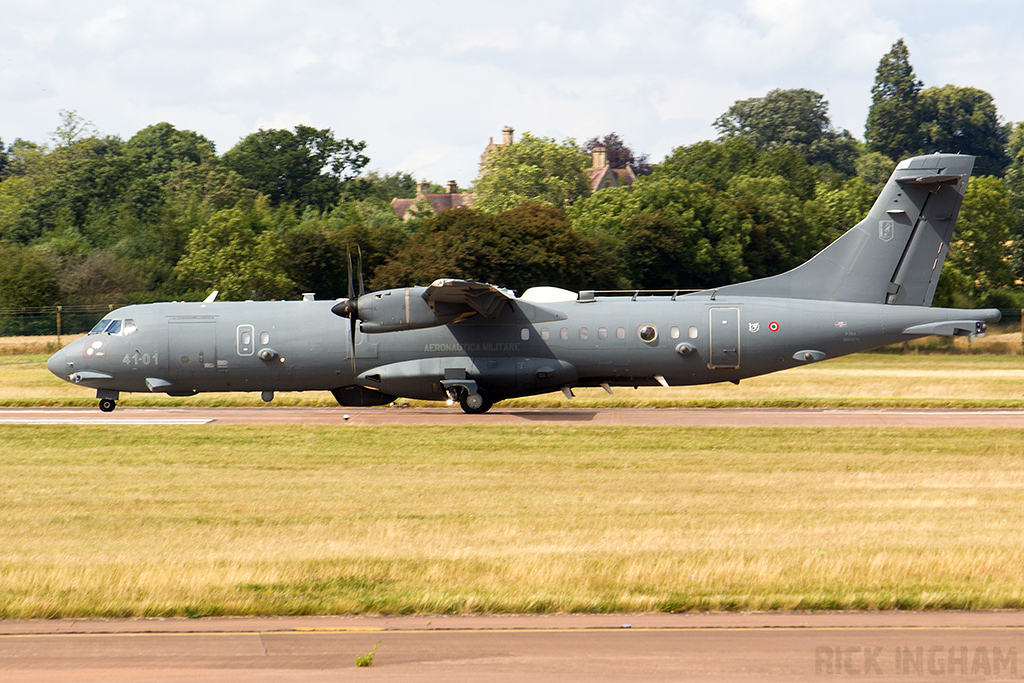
{"type": "Point", "coordinates": [140, 359]}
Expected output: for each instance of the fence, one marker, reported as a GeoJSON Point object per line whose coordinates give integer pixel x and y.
{"type": "Point", "coordinates": [50, 320]}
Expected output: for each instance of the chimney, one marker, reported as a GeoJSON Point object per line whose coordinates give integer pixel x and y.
{"type": "Point", "coordinates": [453, 187]}
{"type": "Point", "coordinates": [599, 157]}
{"type": "Point", "coordinates": [422, 188]}
{"type": "Point", "coordinates": [506, 135]}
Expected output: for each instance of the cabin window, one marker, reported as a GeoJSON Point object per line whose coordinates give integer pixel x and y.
{"type": "Point", "coordinates": [584, 333]}
{"type": "Point", "coordinates": [647, 332]}
{"type": "Point", "coordinates": [602, 333]}
{"type": "Point", "coordinates": [264, 337]}
{"type": "Point", "coordinates": [130, 327]}
{"type": "Point", "coordinates": [674, 332]}
{"type": "Point", "coordinates": [620, 332]}
{"type": "Point", "coordinates": [544, 334]}
{"type": "Point", "coordinates": [692, 332]}
{"type": "Point", "coordinates": [564, 333]}
{"type": "Point", "coordinates": [244, 340]}
{"type": "Point", "coordinates": [525, 334]}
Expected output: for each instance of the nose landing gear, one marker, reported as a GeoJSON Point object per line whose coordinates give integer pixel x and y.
{"type": "Point", "coordinates": [108, 399]}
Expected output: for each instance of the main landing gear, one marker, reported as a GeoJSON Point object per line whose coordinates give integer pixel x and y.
{"type": "Point", "coordinates": [475, 404]}
{"type": "Point", "coordinates": [107, 405]}
{"type": "Point", "coordinates": [471, 397]}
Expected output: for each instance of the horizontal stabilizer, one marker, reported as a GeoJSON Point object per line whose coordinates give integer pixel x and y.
{"type": "Point", "coordinates": [929, 179]}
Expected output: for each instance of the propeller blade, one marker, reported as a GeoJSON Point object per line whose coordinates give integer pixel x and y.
{"type": "Point", "coordinates": [352, 343]}
{"type": "Point", "coordinates": [351, 288]}
{"type": "Point", "coordinates": [360, 270]}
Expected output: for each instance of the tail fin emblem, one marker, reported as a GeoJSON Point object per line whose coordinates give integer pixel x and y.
{"type": "Point", "coordinates": [885, 230]}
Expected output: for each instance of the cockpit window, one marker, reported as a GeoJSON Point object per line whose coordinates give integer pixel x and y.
{"type": "Point", "coordinates": [118, 327]}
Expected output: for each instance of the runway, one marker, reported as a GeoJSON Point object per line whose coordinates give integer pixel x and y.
{"type": "Point", "coordinates": [883, 646]}
{"type": "Point", "coordinates": [717, 417]}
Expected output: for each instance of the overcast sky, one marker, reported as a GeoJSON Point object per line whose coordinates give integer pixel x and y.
{"type": "Point", "coordinates": [425, 84]}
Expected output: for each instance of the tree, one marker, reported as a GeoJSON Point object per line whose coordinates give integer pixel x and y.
{"type": "Point", "coordinates": [964, 120]}
{"type": "Point", "coordinates": [79, 187]}
{"type": "Point", "coordinates": [520, 248]}
{"type": "Point", "coordinates": [308, 166]}
{"type": "Point", "coordinates": [874, 169]}
{"type": "Point", "coordinates": [700, 233]}
{"type": "Point", "coordinates": [533, 170]}
{"type": "Point", "coordinates": [27, 279]}
{"type": "Point", "coordinates": [72, 128]}
{"type": "Point", "coordinates": [238, 253]}
{"type": "Point", "coordinates": [1015, 144]}
{"type": "Point", "coordinates": [97, 278]}
{"type": "Point", "coordinates": [156, 150]}
{"type": "Point", "coordinates": [979, 247]}
{"type": "Point", "coordinates": [317, 249]}
{"type": "Point", "coordinates": [619, 154]}
{"type": "Point", "coordinates": [793, 118]}
{"type": "Point", "coordinates": [715, 164]}
{"type": "Point", "coordinates": [3, 160]}
{"type": "Point", "coordinates": [385, 187]}
{"type": "Point", "coordinates": [893, 126]}
{"type": "Point", "coordinates": [712, 163]}
{"type": "Point", "coordinates": [785, 231]}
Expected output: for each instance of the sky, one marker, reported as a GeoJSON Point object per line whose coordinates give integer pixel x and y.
{"type": "Point", "coordinates": [426, 85]}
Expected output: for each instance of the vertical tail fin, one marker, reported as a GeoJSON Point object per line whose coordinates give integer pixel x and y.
{"type": "Point", "coordinates": [893, 256]}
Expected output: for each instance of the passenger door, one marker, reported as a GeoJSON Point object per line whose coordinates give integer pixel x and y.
{"type": "Point", "coordinates": [192, 349]}
{"type": "Point", "coordinates": [724, 337]}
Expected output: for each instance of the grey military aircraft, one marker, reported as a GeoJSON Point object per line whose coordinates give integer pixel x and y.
{"type": "Point", "coordinates": [477, 343]}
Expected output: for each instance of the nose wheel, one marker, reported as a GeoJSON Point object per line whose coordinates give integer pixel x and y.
{"type": "Point", "coordinates": [107, 405]}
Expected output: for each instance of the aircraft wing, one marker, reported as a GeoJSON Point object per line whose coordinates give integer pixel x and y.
{"type": "Point", "coordinates": [479, 297]}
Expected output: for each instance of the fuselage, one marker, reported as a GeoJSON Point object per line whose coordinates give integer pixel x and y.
{"type": "Point", "coordinates": [185, 348]}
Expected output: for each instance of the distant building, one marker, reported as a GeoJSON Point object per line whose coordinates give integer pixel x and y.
{"type": "Point", "coordinates": [506, 139]}
{"type": "Point", "coordinates": [434, 203]}
{"type": "Point", "coordinates": [602, 175]}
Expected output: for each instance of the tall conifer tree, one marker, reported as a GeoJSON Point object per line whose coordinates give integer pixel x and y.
{"type": "Point", "coordinates": [894, 119]}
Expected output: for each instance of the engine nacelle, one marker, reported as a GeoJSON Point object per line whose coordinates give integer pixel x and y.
{"type": "Point", "coordinates": [392, 310]}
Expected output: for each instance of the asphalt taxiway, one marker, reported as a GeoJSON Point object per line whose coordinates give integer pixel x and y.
{"type": "Point", "coordinates": [718, 417]}
{"type": "Point", "coordinates": [881, 646]}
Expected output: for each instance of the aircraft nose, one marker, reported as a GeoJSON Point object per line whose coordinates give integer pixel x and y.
{"type": "Point", "coordinates": [57, 364]}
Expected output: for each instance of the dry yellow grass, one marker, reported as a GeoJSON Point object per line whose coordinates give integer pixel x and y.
{"type": "Point", "coordinates": [195, 520]}
{"type": "Point", "coordinates": [16, 346]}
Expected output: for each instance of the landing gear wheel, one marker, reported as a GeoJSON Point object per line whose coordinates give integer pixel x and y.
{"type": "Point", "coordinates": [475, 404]}
{"type": "Point", "coordinates": [107, 405]}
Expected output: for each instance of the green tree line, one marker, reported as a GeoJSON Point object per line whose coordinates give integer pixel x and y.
{"type": "Point", "coordinates": [89, 218]}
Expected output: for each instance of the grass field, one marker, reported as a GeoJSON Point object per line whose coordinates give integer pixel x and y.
{"type": "Point", "coordinates": [196, 521]}
{"type": "Point", "coordinates": [218, 520]}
